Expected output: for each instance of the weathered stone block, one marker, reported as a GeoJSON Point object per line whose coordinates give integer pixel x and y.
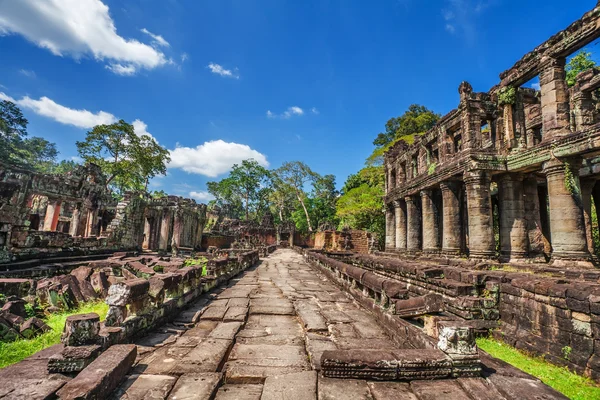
{"type": "Point", "coordinates": [81, 329]}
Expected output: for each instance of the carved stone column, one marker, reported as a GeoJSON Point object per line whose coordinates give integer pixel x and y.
{"type": "Point", "coordinates": [514, 241]}
{"type": "Point", "coordinates": [75, 218]}
{"type": "Point", "coordinates": [555, 98]}
{"type": "Point", "coordinates": [451, 223]}
{"type": "Point", "coordinates": [400, 211]}
{"type": "Point", "coordinates": [390, 228]}
{"type": "Point", "coordinates": [165, 229]}
{"type": "Point", "coordinates": [537, 241]}
{"type": "Point", "coordinates": [586, 198]}
{"type": "Point", "coordinates": [90, 223]}
{"type": "Point", "coordinates": [413, 225]}
{"type": "Point", "coordinates": [479, 209]}
{"type": "Point", "coordinates": [431, 232]}
{"type": "Point", "coordinates": [584, 109]}
{"type": "Point", "coordinates": [52, 214]}
{"type": "Point", "coordinates": [567, 226]}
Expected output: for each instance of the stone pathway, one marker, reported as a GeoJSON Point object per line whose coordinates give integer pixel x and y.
{"type": "Point", "coordinates": [262, 338]}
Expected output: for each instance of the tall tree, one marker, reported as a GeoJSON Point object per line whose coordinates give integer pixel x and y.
{"type": "Point", "coordinates": [296, 175]}
{"type": "Point", "coordinates": [127, 159]}
{"type": "Point", "coordinates": [244, 186]}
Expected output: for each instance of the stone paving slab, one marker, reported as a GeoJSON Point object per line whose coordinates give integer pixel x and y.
{"type": "Point", "coordinates": [240, 392]}
{"type": "Point", "coordinates": [392, 390]}
{"type": "Point", "coordinates": [297, 386]}
{"type": "Point", "coordinates": [162, 361]}
{"type": "Point", "coordinates": [214, 313]}
{"type": "Point", "coordinates": [438, 389]}
{"type": "Point", "coordinates": [145, 387]}
{"type": "Point", "coordinates": [343, 389]}
{"type": "Point", "coordinates": [196, 386]}
{"type": "Point", "coordinates": [235, 314]}
{"type": "Point", "coordinates": [206, 357]}
{"type": "Point", "coordinates": [225, 330]}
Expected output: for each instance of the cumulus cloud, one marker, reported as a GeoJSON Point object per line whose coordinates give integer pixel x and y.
{"type": "Point", "coordinates": [314, 111]}
{"type": "Point", "coordinates": [213, 158]}
{"type": "Point", "coordinates": [220, 70]}
{"type": "Point", "coordinates": [290, 112]}
{"type": "Point", "coordinates": [201, 196]}
{"type": "Point", "coordinates": [78, 28]}
{"type": "Point", "coordinates": [157, 40]}
{"type": "Point", "coordinates": [141, 128]}
{"type": "Point", "coordinates": [49, 108]}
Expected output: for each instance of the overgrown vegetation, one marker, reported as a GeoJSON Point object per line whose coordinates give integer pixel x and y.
{"type": "Point", "coordinates": [20, 349]}
{"type": "Point", "coordinates": [199, 261]}
{"type": "Point", "coordinates": [560, 378]}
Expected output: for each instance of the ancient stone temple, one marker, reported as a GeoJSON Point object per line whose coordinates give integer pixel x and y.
{"type": "Point", "coordinates": [510, 173]}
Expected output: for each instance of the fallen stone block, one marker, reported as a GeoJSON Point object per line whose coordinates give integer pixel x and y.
{"type": "Point", "coordinates": [124, 293]}
{"type": "Point", "coordinates": [102, 376]}
{"type": "Point", "coordinates": [416, 364]}
{"type": "Point", "coordinates": [100, 282]}
{"type": "Point", "coordinates": [15, 287]}
{"type": "Point", "coordinates": [16, 307]}
{"type": "Point", "coordinates": [359, 364]}
{"type": "Point", "coordinates": [7, 332]}
{"type": "Point", "coordinates": [81, 329]}
{"type": "Point", "coordinates": [73, 358]}
{"type": "Point", "coordinates": [416, 306]}
{"type": "Point", "coordinates": [33, 327]}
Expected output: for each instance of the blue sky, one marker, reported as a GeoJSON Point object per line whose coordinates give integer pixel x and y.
{"type": "Point", "coordinates": [277, 80]}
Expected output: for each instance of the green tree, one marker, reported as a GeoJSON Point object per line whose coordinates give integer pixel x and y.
{"type": "Point", "coordinates": [414, 122]}
{"type": "Point", "coordinates": [296, 175]}
{"type": "Point", "coordinates": [582, 61]}
{"type": "Point", "coordinates": [127, 159]}
{"type": "Point", "coordinates": [246, 185]}
{"type": "Point", "coordinates": [39, 154]}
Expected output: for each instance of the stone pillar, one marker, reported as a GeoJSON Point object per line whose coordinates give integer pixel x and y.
{"type": "Point", "coordinates": [555, 98]}
{"type": "Point", "coordinates": [52, 214]}
{"type": "Point", "coordinates": [584, 110]}
{"type": "Point", "coordinates": [514, 240]}
{"type": "Point", "coordinates": [430, 222]}
{"type": "Point", "coordinates": [413, 225]}
{"type": "Point", "coordinates": [390, 229]}
{"type": "Point", "coordinates": [451, 234]}
{"type": "Point", "coordinates": [586, 199]}
{"type": "Point", "coordinates": [400, 211]}
{"type": "Point", "coordinates": [567, 227]}
{"type": "Point", "coordinates": [75, 218]}
{"type": "Point", "coordinates": [165, 229]}
{"type": "Point", "coordinates": [177, 231]}
{"type": "Point", "coordinates": [537, 241]}
{"type": "Point", "coordinates": [479, 209]}
{"type": "Point", "coordinates": [90, 222]}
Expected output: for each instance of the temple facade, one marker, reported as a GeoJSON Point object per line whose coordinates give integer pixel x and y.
{"type": "Point", "coordinates": [511, 173]}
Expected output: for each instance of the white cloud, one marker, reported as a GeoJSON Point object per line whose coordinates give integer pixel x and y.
{"type": "Point", "coordinates": [28, 73]}
{"type": "Point", "coordinates": [201, 196]}
{"type": "Point", "coordinates": [219, 70]}
{"type": "Point", "coordinates": [450, 28]}
{"type": "Point", "coordinates": [49, 108]}
{"type": "Point", "coordinates": [213, 158]}
{"type": "Point", "coordinates": [185, 57]}
{"type": "Point", "coordinates": [123, 70]}
{"type": "Point", "coordinates": [158, 40]}
{"type": "Point", "coordinates": [314, 111]}
{"type": "Point", "coordinates": [290, 112]}
{"type": "Point", "coordinates": [141, 128]}
{"type": "Point", "coordinates": [78, 28]}
{"type": "Point", "coordinates": [77, 159]}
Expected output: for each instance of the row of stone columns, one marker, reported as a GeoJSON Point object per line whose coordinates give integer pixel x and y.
{"type": "Point", "coordinates": [413, 223]}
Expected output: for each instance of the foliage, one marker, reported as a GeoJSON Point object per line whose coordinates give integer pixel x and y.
{"type": "Point", "coordinates": [16, 351]}
{"type": "Point", "coordinates": [431, 168]}
{"type": "Point", "coordinates": [507, 95]}
{"type": "Point", "coordinates": [243, 191]}
{"type": "Point", "coordinates": [570, 181]}
{"type": "Point", "coordinates": [128, 160]}
{"type": "Point", "coordinates": [294, 176]}
{"type": "Point", "coordinates": [62, 167]}
{"type": "Point", "coordinates": [158, 194]}
{"type": "Point", "coordinates": [199, 261]}
{"type": "Point", "coordinates": [582, 61]}
{"type": "Point", "coordinates": [560, 378]}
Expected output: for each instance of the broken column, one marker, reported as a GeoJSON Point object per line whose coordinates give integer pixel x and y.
{"type": "Point", "coordinates": [567, 225]}
{"type": "Point", "coordinates": [536, 238]}
{"type": "Point", "coordinates": [555, 97]}
{"type": "Point", "coordinates": [413, 225]}
{"type": "Point", "coordinates": [75, 217]}
{"type": "Point", "coordinates": [458, 342]}
{"type": "Point", "coordinates": [132, 293]}
{"type": "Point", "coordinates": [165, 229]}
{"type": "Point", "coordinates": [430, 222]}
{"type": "Point", "coordinates": [513, 227]}
{"type": "Point", "coordinates": [400, 212]}
{"type": "Point", "coordinates": [451, 218]}
{"type": "Point", "coordinates": [81, 340]}
{"type": "Point", "coordinates": [479, 206]}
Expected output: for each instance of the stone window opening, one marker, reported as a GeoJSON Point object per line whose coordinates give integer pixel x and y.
{"type": "Point", "coordinates": [393, 179]}
{"type": "Point", "coordinates": [457, 142]}
{"type": "Point", "coordinates": [415, 166]}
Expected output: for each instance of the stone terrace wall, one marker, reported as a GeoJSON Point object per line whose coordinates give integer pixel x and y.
{"type": "Point", "coordinates": [554, 316]}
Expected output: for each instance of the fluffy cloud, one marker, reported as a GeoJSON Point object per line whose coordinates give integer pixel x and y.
{"type": "Point", "coordinates": [49, 108]}
{"type": "Point", "coordinates": [78, 28]}
{"type": "Point", "coordinates": [219, 70]}
{"type": "Point", "coordinates": [141, 128]}
{"type": "Point", "coordinates": [201, 196]}
{"type": "Point", "coordinates": [213, 158]}
{"type": "Point", "coordinates": [290, 112]}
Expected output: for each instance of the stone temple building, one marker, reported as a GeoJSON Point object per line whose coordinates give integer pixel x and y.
{"type": "Point", "coordinates": [510, 173]}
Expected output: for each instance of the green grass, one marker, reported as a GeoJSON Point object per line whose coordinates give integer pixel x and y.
{"type": "Point", "coordinates": [560, 378]}
{"type": "Point", "coordinates": [16, 351]}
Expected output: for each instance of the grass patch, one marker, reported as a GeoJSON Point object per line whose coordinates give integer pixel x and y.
{"type": "Point", "coordinates": [560, 378]}
{"type": "Point", "coordinates": [16, 351]}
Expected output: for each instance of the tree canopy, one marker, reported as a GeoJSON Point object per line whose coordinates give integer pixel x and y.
{"type": "Point", "coordinates": [582, 61]}
{"type": "Point", "coordinates": [128, 160]}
